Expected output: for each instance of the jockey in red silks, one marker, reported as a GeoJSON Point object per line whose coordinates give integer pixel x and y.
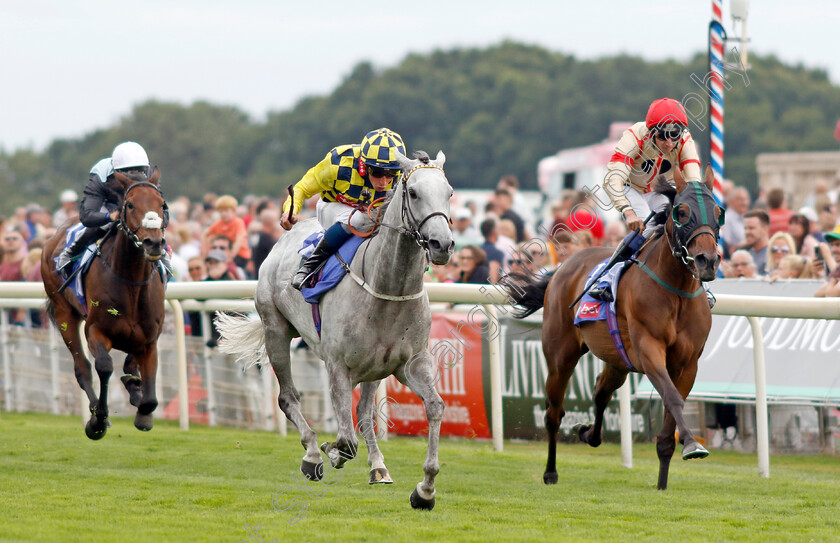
{"type": "Point", "coordinates": [647, 150]}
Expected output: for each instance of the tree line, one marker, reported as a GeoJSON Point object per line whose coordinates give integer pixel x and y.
{"type": "Point", "coordinates": [493, 111]}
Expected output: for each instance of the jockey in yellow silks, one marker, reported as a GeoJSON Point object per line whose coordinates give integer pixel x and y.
{"type": "Point", "coordinates": [350, 177]}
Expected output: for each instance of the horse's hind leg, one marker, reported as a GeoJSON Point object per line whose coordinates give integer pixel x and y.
{"type": "Point", "coordinates": [67, 321]}
{"type": "Point", "coordinates": [560, 370]}
{"type": "Point", "coordinates": [277, 339]}
{"type": "Point", "coordinates": [608, 382]}
{"type": "Point", "coordinates": [366, 415]}
{"type": "Point", "coordinates": [100, 346]}
{"type": "Point", "coordinates": [147, 363]}
{"type": "Point", "coordinates": [131, 380]}
{"type": "Point", "coordinates": [420, 374]}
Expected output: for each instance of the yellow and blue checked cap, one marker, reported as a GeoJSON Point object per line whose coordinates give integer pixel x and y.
{"type": "Point", "coordinates": [379, 148]}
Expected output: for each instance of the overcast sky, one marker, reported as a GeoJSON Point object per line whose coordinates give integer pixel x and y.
{"type": "Point", "coordinates": [72, 66]}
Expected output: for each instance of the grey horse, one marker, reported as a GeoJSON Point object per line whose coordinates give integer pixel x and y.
{"type": "Point", "coordinates": [375, 323]}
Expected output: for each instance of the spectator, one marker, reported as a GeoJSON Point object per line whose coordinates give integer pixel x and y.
{"type": "Point", "coordinates": [14, 253]}
{"type": "Point", "coordinates": [827, 219]}
{"type": "Point", "coordinates": [780, 245]}
{"type": "Point", "coordinates": [777, 211]}
{"type": "Point", "coordinates": [30, 270]}
{"type": "Point", "coordinates": [800, 231]}
{"type": "Point", "coordinates": [197, 272]}
{"type": "Point", "coordinates": [794, 267]}
{"type": "Point", "coordinates": [69, 207]}
{"type": "Point", "coordinates": [230, 226]}
{"type": "Point", "coordinates": [737, 204]}
{"type": "Point", "coordinates": [472, 266]}
{"type": "Point", "coordinates": [756, 237]}
{"type": "Point", "coordinates": [564, 244]}
{"type": "Point", "coordinates": [741, 265]}
{"type": "Point", "coordinates": [495, 257]}
{"type": "Point", "coordinates": [263, 240]}
{"type": "Point", "coordinates": [463, 230]}
{"type": "Point", "coordinates": [510, 183]}
{"type": "Point", "coordinates": [217, 270]}
{"type": "Point", "coordinates": [224, 244]}
{"type": "Point", "coordinates": [507, 235]}
{"type": "Point", "coordinates": [537, 255]}
{"type": "Point", "coordinates": [583, 217]}
{"type": "Point", "coordinates": [503, 203]}
{"type": "Point", "coordinates": [614, 232]}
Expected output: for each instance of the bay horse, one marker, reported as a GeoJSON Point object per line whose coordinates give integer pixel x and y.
{"type": "Point", "coordinates": [374, 325]}
{"type": "Point", "coordinates": [124, 295]}
{"type": "Point", "coordinates": [663, 317]}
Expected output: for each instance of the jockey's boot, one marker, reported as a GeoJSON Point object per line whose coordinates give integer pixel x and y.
{"type": "Point", "coordinates": [627, 248]}
{"type": "Point", "coordinates": [333, 239]}
{"type": "Point", "coordinates": [323, 251]}
{"type": "Point", "coordinates": [75, 249]}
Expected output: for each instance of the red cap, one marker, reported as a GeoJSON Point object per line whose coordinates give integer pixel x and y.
{"type": "Point", "coordinates": [666, 111]}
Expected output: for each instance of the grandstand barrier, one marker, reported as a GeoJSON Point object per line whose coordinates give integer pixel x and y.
{"type": "Point", "coordinates": [238, 296]}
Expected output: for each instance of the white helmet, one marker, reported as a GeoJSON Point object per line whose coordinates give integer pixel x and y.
{"type": "Point", "coordinates": [129, 155]}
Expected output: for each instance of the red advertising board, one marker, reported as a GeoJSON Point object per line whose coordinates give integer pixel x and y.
{"type": "Point", "coordinates": [456, 348]}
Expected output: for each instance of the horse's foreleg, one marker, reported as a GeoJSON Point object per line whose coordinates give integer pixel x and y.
{"type": "Point", "coordinates": [341, 392]}
{"type": "Point", "coordinates": [683, 383]}
{"type": "Point", "coordinates": [608, 382]}
{"type": "Point", "coordinates": [366, 416]}
{"type": "Point", "coordinates": [147, 363]}
{"type": "Point", "coordinates": [68, 326]}
{"type": "Point", "coordinates": [100, 346]}
{"type": "Point", "coordinates": [420, 374]}
{"type": "Point", "coordinates": [665, 445]}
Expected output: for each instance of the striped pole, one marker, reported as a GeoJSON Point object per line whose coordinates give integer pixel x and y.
{"type": "Point", "coordinates": [717, 35]}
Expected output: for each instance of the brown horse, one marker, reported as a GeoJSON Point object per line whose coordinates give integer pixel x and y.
{"type": "Point", "coordinates": [124, 301]}
{"type": "Point", "coordinates": [663, 317]}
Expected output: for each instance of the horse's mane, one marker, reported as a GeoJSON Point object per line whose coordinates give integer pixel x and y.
{"type": "Point", "coordinates": [662, 186]}
{"type": "Point", "coordinates": [423, 157]}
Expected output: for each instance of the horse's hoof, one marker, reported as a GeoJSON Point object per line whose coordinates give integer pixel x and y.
{"type": "Point", "coordinates": [95, 433]}
{"type": "Point", "coordinates": [417, 502]}
{"type": "Point", "coordinates": [380, 475]}
{"type": "Point", "coordinates": [143, 422]}
{"type": "Point", "coordinates": [550, 478]}
{"type": "Point", "coordinates": [694, 450]}
{"type": "Point", "coordinates": [312, 471]}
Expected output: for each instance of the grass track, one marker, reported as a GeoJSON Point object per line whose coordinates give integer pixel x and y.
{"type": "Point", "coordinates": [206, 484]}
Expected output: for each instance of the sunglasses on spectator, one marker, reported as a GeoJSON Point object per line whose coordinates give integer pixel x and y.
{"type": "Point", "coordinates": [373, 171]}
{"type": "Point", "coordinates": [780, 249]}
{"type": "Point", "coordinates": [219, 247]}
{"type": "Point", "coordinates": [519, 262]}
{"type": "Point", "coordinates": [13, 238]}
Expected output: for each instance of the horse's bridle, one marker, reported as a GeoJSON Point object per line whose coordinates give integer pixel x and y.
{"type": "Point", "coordinates": [121, 224]}
{"type": "Point", "coordinates": [678, 246]}
{"type": "Point", "coordinates": [414, 232]}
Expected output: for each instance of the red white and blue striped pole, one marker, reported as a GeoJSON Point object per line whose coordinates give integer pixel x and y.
{"type": "Point", "coordinates": [717, 36]}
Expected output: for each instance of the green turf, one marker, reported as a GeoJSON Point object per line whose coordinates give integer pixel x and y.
{"type": "Point", "coordinates": [206, 484]}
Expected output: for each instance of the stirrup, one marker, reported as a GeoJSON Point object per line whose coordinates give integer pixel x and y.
{"type": "Point", "coordinates": [602, 293]}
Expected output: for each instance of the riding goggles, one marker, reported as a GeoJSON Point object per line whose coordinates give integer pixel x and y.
{"type": "Point", "coordinates": [373, 171]}
{"type": "Point", "coordinates": [669, 132]}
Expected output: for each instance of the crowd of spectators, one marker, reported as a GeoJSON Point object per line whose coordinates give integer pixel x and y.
{"type": "Point", "coordinates": [221, 238]}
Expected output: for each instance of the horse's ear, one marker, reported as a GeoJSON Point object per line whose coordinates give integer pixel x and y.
{"type": "Point", "coordinates": [679, 180]}
{"type": "Point", "coordinates": [124, 180]}
{"type": "Point", "coordinates": [154, 179]}
{"type": "Point", "coordinates": [440, 159]}
{"type": "Point", "coordinates": [404, 161]}
{"type": "Point", "coordinates": [709, 178]}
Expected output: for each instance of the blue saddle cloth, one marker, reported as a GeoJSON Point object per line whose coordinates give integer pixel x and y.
{"type": "Point", "coordinates": [591, 309]}
{"type": "Point", "coordinates": [332, 272]}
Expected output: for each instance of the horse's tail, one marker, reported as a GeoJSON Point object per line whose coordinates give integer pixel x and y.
{"type": "Point", "coordinates": [242, 337]}
{"type": "Point", "coordinates": [527, 292]}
